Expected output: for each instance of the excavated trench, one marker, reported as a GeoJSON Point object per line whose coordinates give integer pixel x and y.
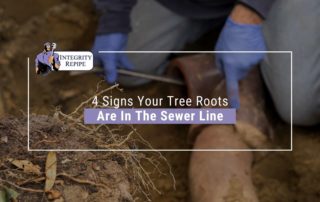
{"type": "Point", "coordinates": [278, 176]}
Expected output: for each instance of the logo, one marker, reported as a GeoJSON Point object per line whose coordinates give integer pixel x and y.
{"type": "Point", "coordinates": [47, 60]}
{"type": "Point", "coordinates": [50, 60]}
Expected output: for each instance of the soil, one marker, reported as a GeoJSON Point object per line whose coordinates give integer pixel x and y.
{"type": "Point", "coordinates": [81, 176]}
{"type": "Point", "coordinates": [278, 176]}
{"type": "Point", "coordinates": [75, 164]}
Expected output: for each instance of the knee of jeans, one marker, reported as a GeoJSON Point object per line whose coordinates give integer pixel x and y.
{"type": "Point", "coordinates": [305, 112]}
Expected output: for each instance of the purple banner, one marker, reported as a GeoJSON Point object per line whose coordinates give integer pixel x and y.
{"type": "Point", "coordinates": [160, 116]}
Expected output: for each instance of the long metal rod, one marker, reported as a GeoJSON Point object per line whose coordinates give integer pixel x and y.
{"type": "Point", "coordinates": [151, 77]}
{"type": "Point", "coordinates": [163, 79]}
{"type": "Point", "coordinates": [143, 76]}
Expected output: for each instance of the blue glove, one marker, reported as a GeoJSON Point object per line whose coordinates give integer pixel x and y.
{"type": "Point", "coordinates": [111, 61]}
{"type": "Point", "coordinates": [235, 66]}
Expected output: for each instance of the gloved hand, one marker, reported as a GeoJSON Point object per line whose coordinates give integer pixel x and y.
{"type": "Point", "coordinates": [111, 61]}
{"type": "Point", "coordinates": [235, 66]}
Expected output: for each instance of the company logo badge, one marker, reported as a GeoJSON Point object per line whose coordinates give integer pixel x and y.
{"type": "Point", "coordinates": [50, 60]}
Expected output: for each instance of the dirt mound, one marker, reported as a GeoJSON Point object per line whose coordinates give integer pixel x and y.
{"type": "Point", "coordinates": [81, 176]}
{"type": "Point", "coordinates": [67, 24]}
{"type": "Point", "coordinates": [291, 176]}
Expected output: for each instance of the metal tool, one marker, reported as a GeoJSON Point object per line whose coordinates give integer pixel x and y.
{"type": "Point", "coordinates": [163, 79]}
{"type": "Point", "coordinates": [125, 72]}
{"type": "Point", "coordinates": [176, 81]}
{"type": "Point", "coordinates": [151, 77]}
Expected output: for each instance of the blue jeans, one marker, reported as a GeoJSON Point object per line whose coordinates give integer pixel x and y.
{"type": "Point", "coordinates": [294, 26]}
{"type": "Point", "coordinates": [291, 25]}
